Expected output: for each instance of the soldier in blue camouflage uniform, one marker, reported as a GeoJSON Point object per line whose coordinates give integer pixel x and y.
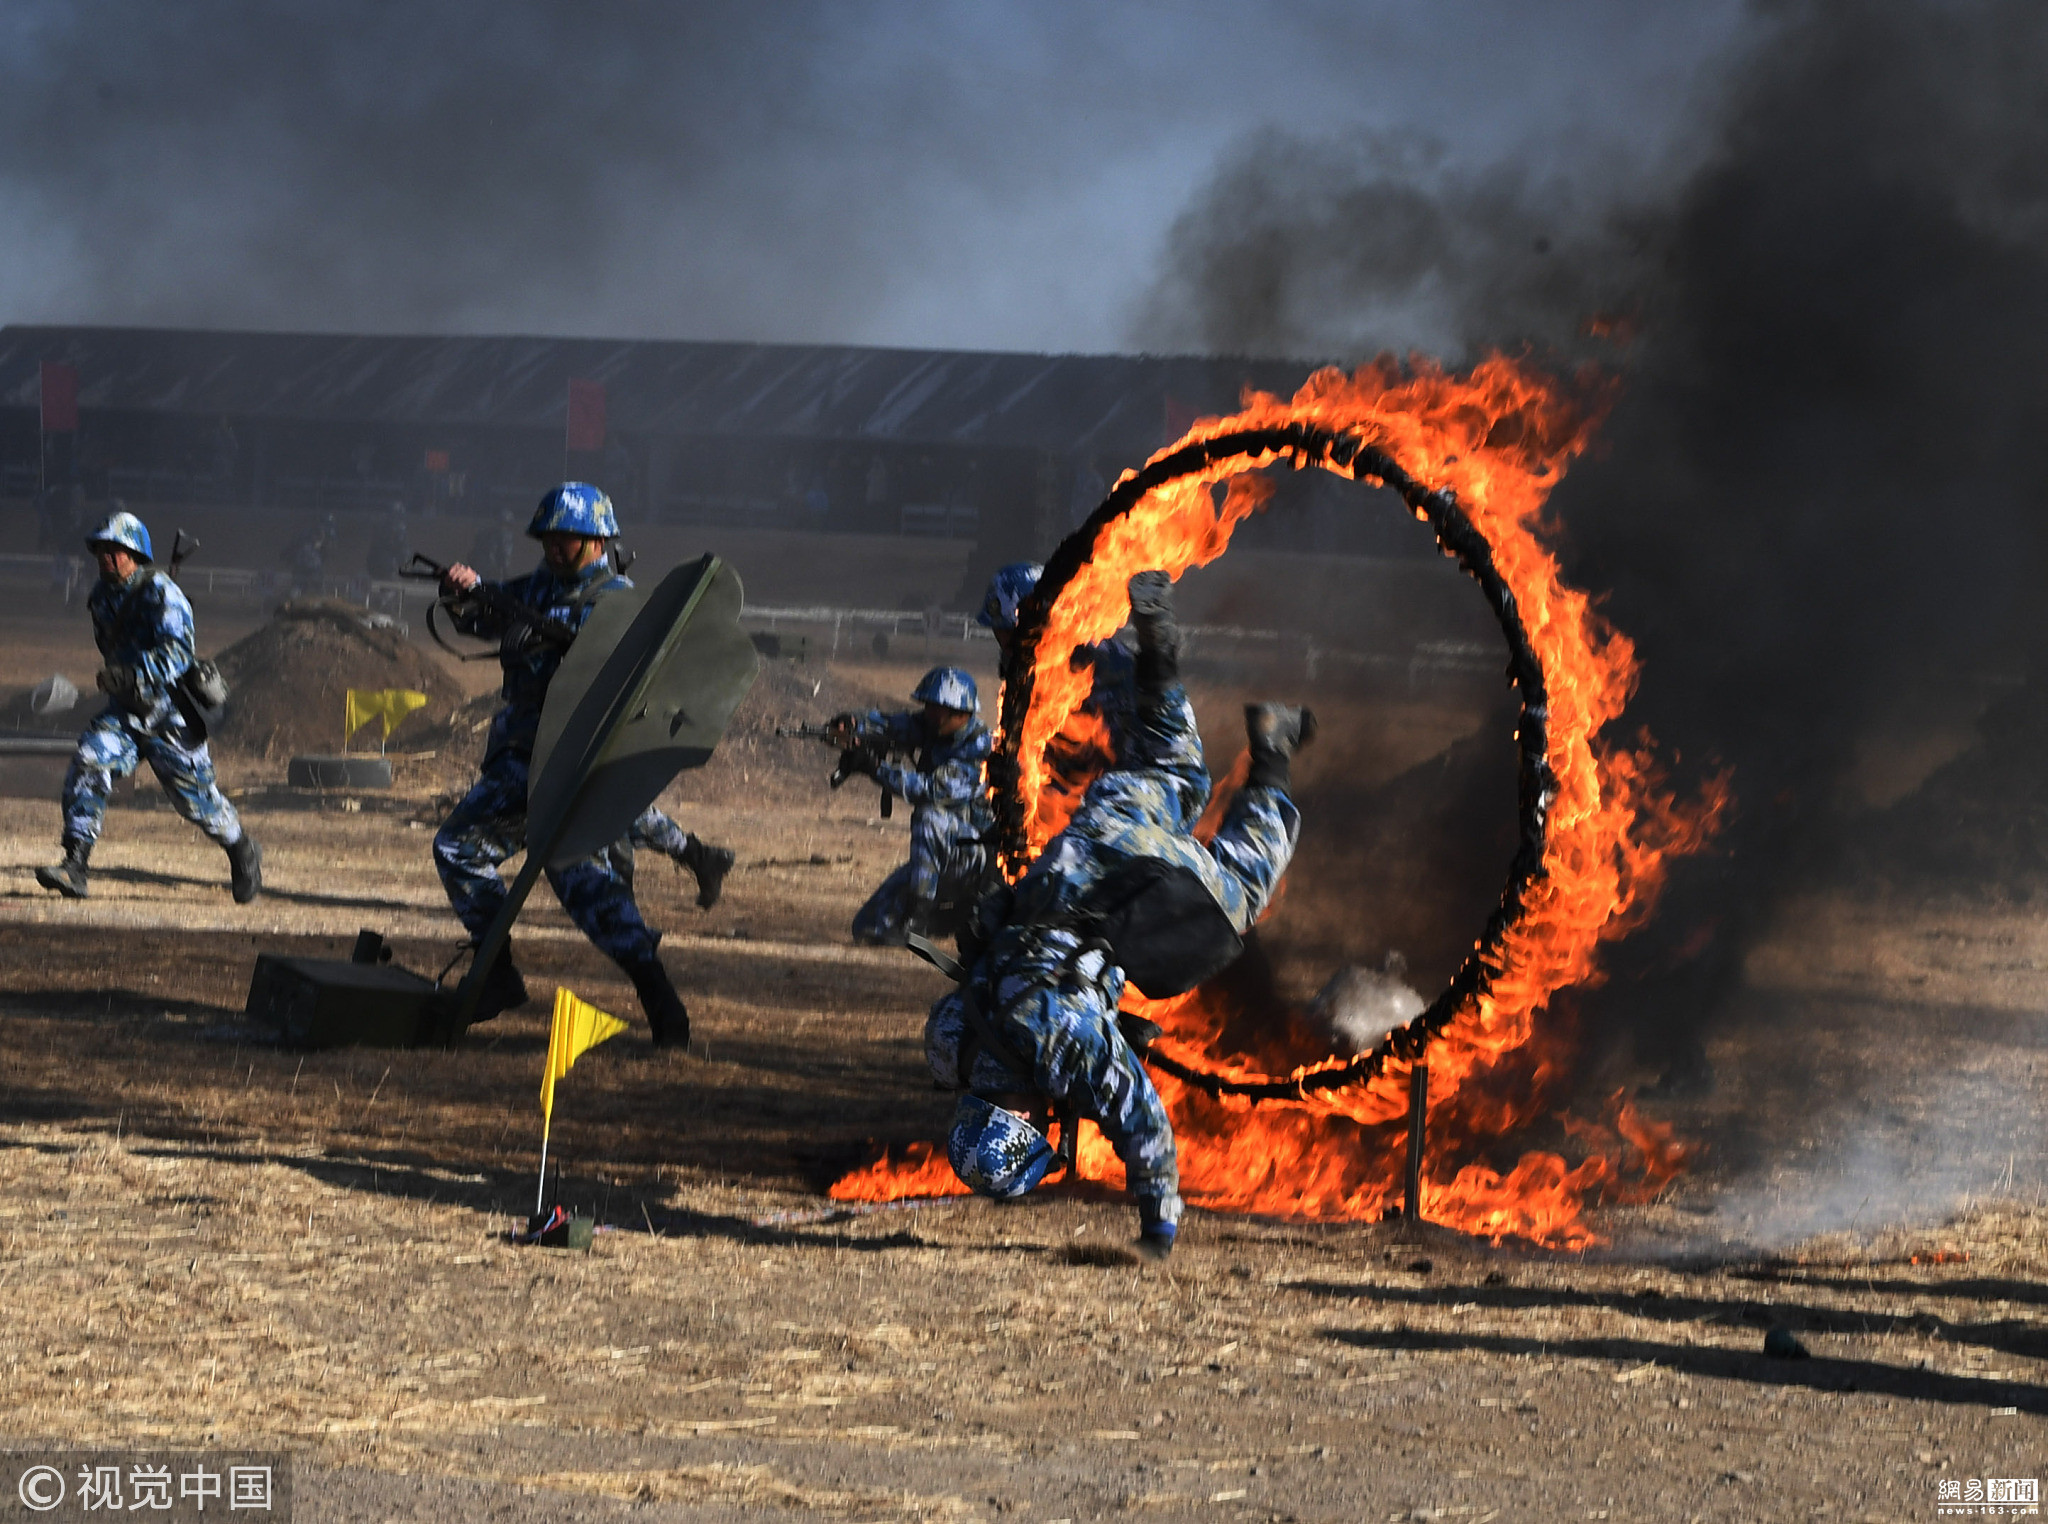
{"type": "Point", "coordinates": [573, 523]}
{"type": "Point", "coordinates": [948, 747]}
{"type": "Point", "coordinates": [1112, 692]}
{"type": "Point", "coordinates": [143, 626]}
{"type": "Point", "coordinates": [1033, 1028]}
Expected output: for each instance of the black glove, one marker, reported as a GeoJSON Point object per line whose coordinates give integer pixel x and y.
{"type": "Point", "coordinates": [859, 759]}
{"type": "Point", "coordinates": [117, 682]}
{"type": "Point", "coordinates": [1138, 1032]}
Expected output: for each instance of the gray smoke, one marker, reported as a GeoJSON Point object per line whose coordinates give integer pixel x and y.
{"type": "Point", "coordinates": [983, 175]}
{"type": "Point", "coordinates": [1345, 246]}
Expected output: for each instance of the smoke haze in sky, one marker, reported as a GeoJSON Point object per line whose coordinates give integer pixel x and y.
{"type": "Point", "coordinates": [964, 175]}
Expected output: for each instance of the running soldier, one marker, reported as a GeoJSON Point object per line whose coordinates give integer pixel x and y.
{"type": "Point", "coordinates": [574, 525]}
{"type": "Point", "coordinates": [1124, 892]}
{"type": "Point", "coordinates": [143, 626]}
{"type": "Point", "coordinates": [947, 745]}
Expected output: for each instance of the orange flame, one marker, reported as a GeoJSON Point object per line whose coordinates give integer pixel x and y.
{"type": "Point", "coordinates": [921, 1170]}
{"type": "Point", "coordinates": [1499, 437]}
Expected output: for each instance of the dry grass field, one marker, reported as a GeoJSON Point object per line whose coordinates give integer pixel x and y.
{"type": "Point", "coordinates": [212, 1242]}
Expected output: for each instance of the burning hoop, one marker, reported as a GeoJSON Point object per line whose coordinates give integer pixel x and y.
{"type": "Point", "coordinates": [1475, 455]}
{"type": "Point", "coordinates": [1347, 454]}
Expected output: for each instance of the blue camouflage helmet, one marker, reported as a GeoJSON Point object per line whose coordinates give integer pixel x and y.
{"type": "Point", "coordinates": [949, 688]}
{"type": "Point", "coordinates": [574, 508]}
{"type": "Point", "coordinates": [994, 1151]}
{"type": "Point", "coordinates": [1010, 586]}
{"type": "Point", "coordinates": [126, 531]}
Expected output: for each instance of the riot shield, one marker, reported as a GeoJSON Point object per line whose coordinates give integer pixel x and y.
{"type": "Point", "coordinates": [645, 692]}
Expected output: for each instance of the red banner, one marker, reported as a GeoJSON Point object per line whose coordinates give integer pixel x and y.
{"type": "Point", "coordinates": [586, 415]}
{"type": "Point", "coordinates": [60, 398]}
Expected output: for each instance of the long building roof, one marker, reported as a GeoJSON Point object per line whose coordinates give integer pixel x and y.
{"type": "Point", "coordinates": [654, 387]}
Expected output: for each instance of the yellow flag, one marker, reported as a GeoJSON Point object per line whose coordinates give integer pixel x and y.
{"type": "Point", "coordinates": [579, 1027]}
{"type": "Point", "coordinates": [391, 705]}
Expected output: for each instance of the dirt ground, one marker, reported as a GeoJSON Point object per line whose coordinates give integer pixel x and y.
{"type": "Point", "coordinates": [212, 1242]}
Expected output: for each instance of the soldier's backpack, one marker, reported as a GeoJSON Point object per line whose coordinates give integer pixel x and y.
{"type": "Point", "coordinates": [1168, 932]}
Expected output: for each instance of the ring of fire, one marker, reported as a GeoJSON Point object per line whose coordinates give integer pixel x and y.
{"type": "Point", "coordinates": [1476, 456]}
{"type": "Point", "coordinates": [1349, 454]}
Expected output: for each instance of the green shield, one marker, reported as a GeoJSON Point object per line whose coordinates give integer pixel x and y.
{"type": "Point", "coordinates": [644, 693]}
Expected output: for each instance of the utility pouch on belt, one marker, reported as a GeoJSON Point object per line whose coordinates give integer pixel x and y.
{"type": "Point", "coordinates": [1166, 927]}
{"type": "Point", "coordinates": [201, 695]}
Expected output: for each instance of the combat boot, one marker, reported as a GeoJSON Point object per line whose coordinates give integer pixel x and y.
{"type": "Point", "coordinates": [1158, 631]}
{"type": "Point", "coordinates": [68, 877]}
{"type": "Point", "coordinates": [667, 1018]}
{"type": "Point", "coordinates": [504, 988]}
{"type": "Point", "coordinates": [245, 868]}
{"type": "Point", "coordinates": [1158, 1226]}
{"type": "Point", "coordinates": [1276, 732]}
{"type": "Point", "coordinates": [709, 865]}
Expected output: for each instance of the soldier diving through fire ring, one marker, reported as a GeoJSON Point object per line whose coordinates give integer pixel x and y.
{"type": "Point", "coordinates": [155, 713]}
{"type": "Point", "coordinates": [574, 524]}
{"type": "Point", "coordinates": [948, 745]}
{"type": "Point", "coordinates": [1124, 894]}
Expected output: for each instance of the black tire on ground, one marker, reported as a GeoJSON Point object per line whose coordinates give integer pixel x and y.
{"type": "Point", "coordinates": [338, 772]}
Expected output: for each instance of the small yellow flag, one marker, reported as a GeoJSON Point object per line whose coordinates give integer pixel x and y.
{"type": "Point", "coordinates": [579, 1027]}
{"type": "Point", "coordinates": [391, 705]}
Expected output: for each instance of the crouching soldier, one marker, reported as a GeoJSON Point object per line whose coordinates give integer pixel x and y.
{"type": "Point", "coordinates": [573, 524]}
{"type": "Point", "coordinates": [947, 746]}
{"type": "Point", "coordinates": [142, 624]}
{"type": "Point", "coordinates": [1125, 893]}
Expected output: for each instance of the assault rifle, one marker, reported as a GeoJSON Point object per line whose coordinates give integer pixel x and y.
{"type": "Point", "coordinates": [542, 627]}
{"type": "Point", "coordinates": [858, 753]}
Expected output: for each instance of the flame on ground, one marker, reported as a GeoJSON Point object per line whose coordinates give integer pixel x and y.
{"type": "Point", "coordinates": [1499, 437]}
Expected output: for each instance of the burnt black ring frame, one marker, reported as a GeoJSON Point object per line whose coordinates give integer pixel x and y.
{"type": "Point", "coordinates": [1312, 445]}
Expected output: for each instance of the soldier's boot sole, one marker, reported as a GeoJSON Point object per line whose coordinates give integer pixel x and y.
{"type": "Point", "coordinates": [504, 989]}
{"type": "Point", "coordinates": [66, 879]}
{"type": "Point", "coordinates": [245, 869]}
{"type": "Point", "coordinates": [710, 865]}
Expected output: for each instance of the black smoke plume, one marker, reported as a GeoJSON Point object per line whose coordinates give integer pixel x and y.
{"type": "Point", "coordinates": [1819, 501]}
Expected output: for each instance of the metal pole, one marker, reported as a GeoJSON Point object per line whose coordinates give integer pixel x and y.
{"type": "Point", "coordinates": [540, 1196]}
{"type": "Point", "coordinates": [1418, 1121]}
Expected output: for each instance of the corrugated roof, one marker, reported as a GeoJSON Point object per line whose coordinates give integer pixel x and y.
{"type": "Point", "coordinates": [662, 388]}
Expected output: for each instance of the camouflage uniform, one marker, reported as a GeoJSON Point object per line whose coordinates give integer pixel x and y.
{"type": "Point", "coordinates": [1112, 699]}
{"type": "Point", "coordinates": [1052, 1000]}
{"type": "Point", "coordinates": [489, 825]}
{"type": "Point", "coordinates": [655, 829]}
{"type": "Point", "coordinates": [1112, 688]}
{"type": "Point", "coordinates": [144, 627]}
{"type": "Point", "coordinates": [949, 816]}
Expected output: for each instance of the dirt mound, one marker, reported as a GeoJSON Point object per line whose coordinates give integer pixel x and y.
{"type": "Point", "coordinates": [290, 680]}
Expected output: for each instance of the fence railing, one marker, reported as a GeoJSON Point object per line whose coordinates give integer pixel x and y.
{"type": "Point", "coordinates": [828, 631]}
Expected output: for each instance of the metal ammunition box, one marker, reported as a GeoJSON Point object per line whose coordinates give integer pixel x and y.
{"type": "Point", "coordinates": [329, 1003]}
